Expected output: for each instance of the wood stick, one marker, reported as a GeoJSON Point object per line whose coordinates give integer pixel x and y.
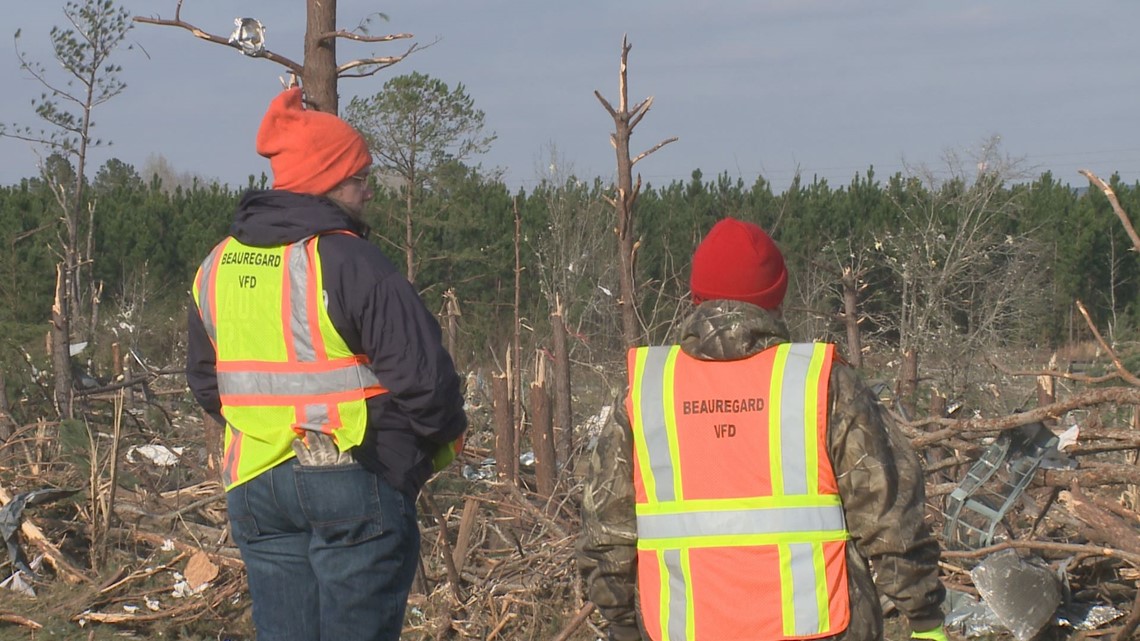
{"type": "Point", "coordinates": [463, 539]}
{"type": "Point", "coordinates": [8, 617]}
{"type": "Point", "coordinates": [580, 617]}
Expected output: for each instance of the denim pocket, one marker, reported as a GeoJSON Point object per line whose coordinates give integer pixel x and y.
{"type": "Point", "coordinates": [345, 505]}
{"type": "Point", "coordinates": [243, 526]}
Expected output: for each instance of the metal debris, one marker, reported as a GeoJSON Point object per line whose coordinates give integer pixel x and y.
{"type": "Point", "coordinates": [1023, 593]}
{"type": "Point", "coordinates": [249, 36]}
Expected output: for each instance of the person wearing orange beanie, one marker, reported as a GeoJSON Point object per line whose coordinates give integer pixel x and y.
{"type": "Point", "coordinates": [330, 378]}
{"type": "Point", "coordinates": [748, 484]}
{"type": "Point", "coordinates": [310, 152]}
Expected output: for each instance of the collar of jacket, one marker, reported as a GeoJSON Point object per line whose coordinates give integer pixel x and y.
{"type": "Point", "coordinates": [725, 330]}
{"type": "Point", "coordinates": [274, 217]}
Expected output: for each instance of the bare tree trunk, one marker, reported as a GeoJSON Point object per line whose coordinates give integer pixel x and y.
{"type": "Point", "coordinates": [1047, 385]}
{"type": "Point", "coordinates": [563, 410]}
{"type": "Point", "coordinates": [116, 362]}
{"type": "Point", "coordinates": [6, 422]}
{"type": "Point", "coordinates": [625, 119]}
{"type": "Point", "coordinates": [935, 454]}
{"type": "Point", "coordinates": [61, 344]}
{"type": "Point", "coordinates": [215, 437]}
{"type": "Point", "coordinates": [129, 399]}
{"type": "Point", "coordinates": [505, 461]}
{"type": "Point", "coordinates": [851, 317]}
{"type": "Point", "coordinates": [624, 200]}
{"type": "Point", "coordinates": [453, 314]}
{"type": "Point", "coordinates": [516, 344]}
{"type": "Point", "coordinates": [908, 380]}
{"type": "Point", "coordinates": [409, 233]}
{"type": "Point", "coordinates": [320, 57]}
{"type": "Point", "coordinates": [96, 298]}
{"type": "Point", "coordinates": [542, 434]}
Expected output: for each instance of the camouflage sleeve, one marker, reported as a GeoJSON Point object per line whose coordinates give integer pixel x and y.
{"type": "Point", "coordinates": [883, 490]}
{"type": "Point", "coordinates": [607, 548]}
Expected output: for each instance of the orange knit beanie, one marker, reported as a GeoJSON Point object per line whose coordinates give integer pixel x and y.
{"type": "Point", "coordinates": [310, 151]}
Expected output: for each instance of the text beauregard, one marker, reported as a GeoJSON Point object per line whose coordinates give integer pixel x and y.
{"type": "Point", "coordinates": [257, 259]}
{"type": "Point", "coordinates": [722, 406]}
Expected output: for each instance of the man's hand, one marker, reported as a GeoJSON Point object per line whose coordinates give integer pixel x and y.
{"type": "Point", "coordinates": [937, 634]}
{"type": "Point", "coordinates": [319, 450]}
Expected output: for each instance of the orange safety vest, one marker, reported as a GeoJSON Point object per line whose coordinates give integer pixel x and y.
{"type": "Point", "coordinates": [282, 367]}
{"type": "Point", "coordinates": [740, 529]}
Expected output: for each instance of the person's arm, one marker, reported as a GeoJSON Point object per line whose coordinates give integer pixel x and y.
{"type": "Point", "coordinates": [403, 340]}
{"type": "Point", "coordinates": [607, 547]}
{"type": "Point", "coordinates": [883, 490]}
{"type": "Point", "coordinates": [201, 365]}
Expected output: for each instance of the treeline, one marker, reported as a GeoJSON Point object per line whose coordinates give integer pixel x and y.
{"type": "Point", "coordinates": [954, 264]}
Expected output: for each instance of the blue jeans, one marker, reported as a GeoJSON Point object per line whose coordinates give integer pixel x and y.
{"type": "Point", "coordinates": [330, 552]}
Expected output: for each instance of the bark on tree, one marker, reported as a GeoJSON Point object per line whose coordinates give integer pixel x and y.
{"type": "Point", "coordinates": [542, 432]}
{"type": "Point", "coordinates": [320, 56]}
{"type": "Point", "coordinates": [453, 314]}
{"type": "Point", "coordinates": [625, 198]}
{"type": "Point", "coordinates": [61, 344]}
{"type": "Point", "coordinates": [563, 403]}
{"type": "Point", "coordinates": [504, 431]}
{"type": "Point", "coordinates": [516, 342]}
{"type": "Point", "coordinates": [851, 317]}
{"type": "Point", "coordinates": [7, 425]}
{"type": "Point", "coordinates": [908, 380]}
{"type": "Point", "coordinates": [1047, 385]}
{"type": "Point", "coordinates": [214, 434]}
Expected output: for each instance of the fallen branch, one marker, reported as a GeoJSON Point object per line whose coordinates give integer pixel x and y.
{"type": "Point", "coordinates": [52, 554]}
{"type": "Point", "coordinates": [8, 617]}
{"type": "Point", "coordinates": [1066, 548]}
{"type": "Point", "coordinates": [579, 618]}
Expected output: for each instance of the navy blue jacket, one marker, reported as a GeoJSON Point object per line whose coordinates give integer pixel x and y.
{"type": "Point", "coordinates": [378, 313]}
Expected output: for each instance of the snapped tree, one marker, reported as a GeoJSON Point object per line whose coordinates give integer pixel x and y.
{"type": "Point", "coordinates": [625, 119]}
{"type": "Point", "coordinates": [82, 50]}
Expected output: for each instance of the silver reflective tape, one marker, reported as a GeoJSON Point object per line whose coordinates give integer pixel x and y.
{"type": "Point", "coordinates": [793, 448]}
{"type": "Point", "coordinates": [777, 520]}
{"type": "Point", "coordinates": [653, 422]}
{"type": "Point", "coordinates": [298, 266]}
{"type": "Point", "coordinates": [678, 606]}
{"type": "Point", "coordinates": [344, 379]}
{"type": "Point", "coordinates": [316, 416]}
{"type": "Point", "coordinates": [804, 594]}
{"type": "Point", "coordinates": [206, 291]}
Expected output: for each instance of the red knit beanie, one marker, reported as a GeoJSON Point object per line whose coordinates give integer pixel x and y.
{"type": "Point", "coordinates": [738, 261]}
{"type": "Point", "coordinates": [310, 151]}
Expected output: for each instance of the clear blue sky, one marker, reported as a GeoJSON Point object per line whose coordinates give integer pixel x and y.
{"type": "Point", "coordinates": [749, 86]}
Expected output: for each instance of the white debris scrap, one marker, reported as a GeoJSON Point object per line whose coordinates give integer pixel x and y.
{"type": "Point", "coordinates": [1068, 438]}
{"type": "Point", "coordinates": [159, 455]}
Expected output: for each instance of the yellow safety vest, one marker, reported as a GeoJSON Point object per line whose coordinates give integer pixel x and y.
{"type": "Point", "coordinates": [282, 367]}
{"type": "Point", "coordinates": [740, 529]}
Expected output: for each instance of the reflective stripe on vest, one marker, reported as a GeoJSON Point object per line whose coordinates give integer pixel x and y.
{"type": "Point", "coordinates": [736, 495]}
{"type": "Point", "coordinates": [278, 379]}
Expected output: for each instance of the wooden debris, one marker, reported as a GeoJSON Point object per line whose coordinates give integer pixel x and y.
{"type": "Point", "coordinates": [8, 617]}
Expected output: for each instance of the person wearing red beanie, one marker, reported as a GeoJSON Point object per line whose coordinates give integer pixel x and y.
{"type": "Point", "coordinates": [738, 261]}
{"type": "Point", "coordinates": [748, 484]}
{"type": "Point", "coordinates": [330, 378]}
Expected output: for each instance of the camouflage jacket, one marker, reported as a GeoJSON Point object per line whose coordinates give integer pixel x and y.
{"type": "Point", "coordinates": [891, 551]}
